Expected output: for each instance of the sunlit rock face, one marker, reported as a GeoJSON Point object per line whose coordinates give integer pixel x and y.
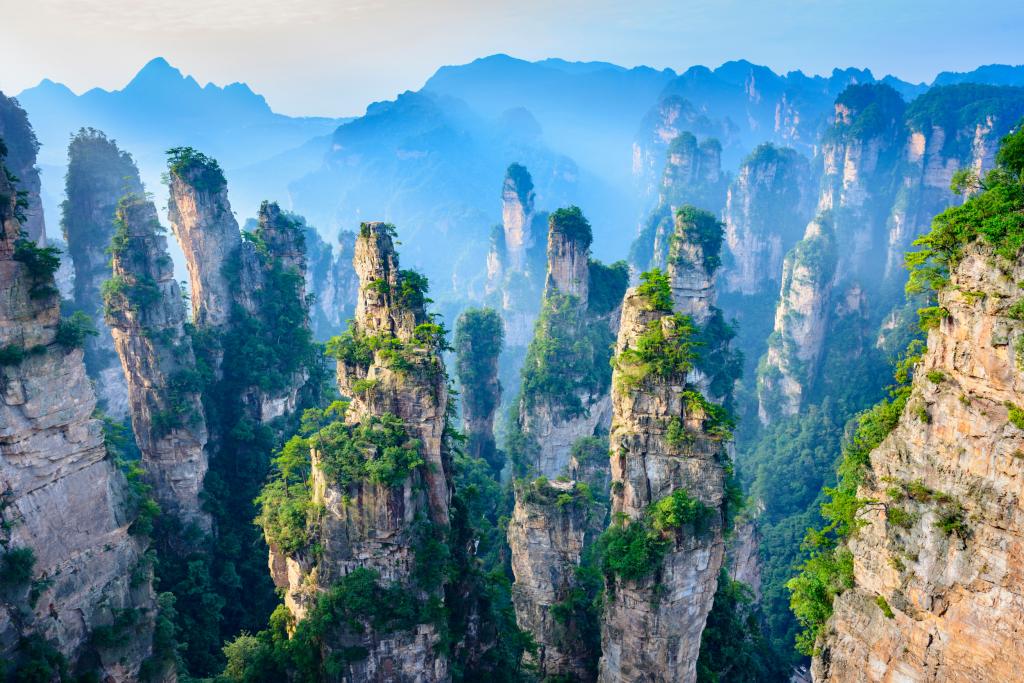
{"type": "Point", "coordinates": [156, 353]}
{"type": "Point", "coordinates": [378, 526]}
{"type": "Point", "coordinates": [62, 496]}
{"type": "Point", "coordinates": [651, 627]}
{"type": "Point", "coordinates": [942, 543]}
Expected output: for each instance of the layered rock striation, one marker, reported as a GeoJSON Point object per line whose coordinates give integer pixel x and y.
{"type": "Point", "coordinates": [99, 174]}
{"type": "Point", "coordinates": [936, 592]}
{"type": "Point", "coordinates": [146, 314]}
{"type": "Point", "coordinates": [76, 583]}
{"type": "Point", "coordinates": [802, 317]}
{"type": "Point", "coordinates": [766, 209]}
{"type": "Point", "coordinates": [665, 548]}
{"type": "Point", "coordinates": [692, 175]}
{"type": "Point", "coordinates": [381, 479]}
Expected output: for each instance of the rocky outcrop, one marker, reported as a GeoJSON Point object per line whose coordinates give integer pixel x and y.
{"type": "Point", "coordinates": [22, 146]}
{"type": "Point", "coordinates": [99, 174]}
{"type": "Point", "coordinates": [332, 280]}
{"type": "Point", "coordinates": [565, 395]}
{"type": "Point", "coordinates": [478, 340]}
{"type": "Point", "coordinates": [146, 314]}
{"type": "Point", "coordinates": [208, 233]}
{"type": "Point", "coordinates": [517, 198]}
{"type": "Point", "coordinates": [553, 524]}
{"type": "Point", "coordinates": [692, 175]}
{"type": "Point", "coordinates": [801, 321]}
{"type": "Point", "coordinates": [378, 509]}
{"type": "Point", "coordinates": [515, 278]}
{"type": "Point", "coordinates": [668, 477]}
{"type": "Point", "coordinates": [936, 567]}
{"type": "Point", "coordinates": [766, 209]}
{"type": "Point", "coordinates": [743, 556]}
{"type": "Point", "coordinates": [239, 285]}
{"type": "Point", "coordinates": [859, 157]}
{"type": "Point", "coordinates": [76, 582]}
{"type": "Point", "coordinates": [950, 128]}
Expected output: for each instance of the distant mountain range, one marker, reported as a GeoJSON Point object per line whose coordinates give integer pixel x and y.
{"type": "Point", "coordinates": [432, 161]}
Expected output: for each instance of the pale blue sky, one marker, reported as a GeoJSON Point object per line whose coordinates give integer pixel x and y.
{"type": "Point", "coordinates": [333, 57]}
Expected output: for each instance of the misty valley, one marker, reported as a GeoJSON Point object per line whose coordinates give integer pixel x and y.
{"type": "Point", "coordinates": [546, 371]}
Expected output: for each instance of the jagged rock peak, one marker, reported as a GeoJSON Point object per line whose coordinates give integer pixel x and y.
{"type": "Point", "coordinates": [689, 162]}
{"type": "Point", "coordinates": [391, 301]}
{"type": "Point", "coordinates": [766, 209]}
{"type": "Point", "coordinates": [206, 229]}
{"type": "Point", "coordinates": [694, 256]}
{"type": "Point", "coordinates": [668, 457]}
{"type": "Point", "coordinates": [282, 235]}
{"type": "Point", "coordinates": [790, 366]}
{"type": "Point", "coordinates": [569, 238]}
{"type": "Point", "coordinates": [72, 564]}
{"type": "Point", "coordinates": [99, 174]}
{"type": "Point", "coordinates": [517, 197]}
{"type": "Point", "coordinates": [146, 313]}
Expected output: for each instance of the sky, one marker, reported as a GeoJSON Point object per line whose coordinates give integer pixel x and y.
{"type": "Point", "coordinates": [333, 57]}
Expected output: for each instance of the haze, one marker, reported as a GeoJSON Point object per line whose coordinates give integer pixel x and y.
{"type": "Point", "coordinates": [330, 57]}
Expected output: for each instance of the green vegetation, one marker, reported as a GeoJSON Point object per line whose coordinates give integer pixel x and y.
{"type": "Point", "coordinates": [1015, 415]}
{"type": "Point", "coordinates": [733, 648]}
{"type": "Point", "coordinates": [479, 333]}
{"type": "Point", "coordinates": [607, 286]}
{"type": "Point", "coordinates": [41, 263]}
{"type": "Point", "coordinates": [74, 330]}
{"type": "Point", "coordinates": [960, 107]}
{"type": "Point", "coordinates": [656, 289]}
{"type": "Point", "coordinates": [703, 229]}
{"type": "Point", "coordinates": [521, 180]}
{"type": "Point", "coordinates": [196, 169]}
{"type": "Point", "coordinates": [995, 215]}
{"type": "Point", "coordinates": [883, 605]}
{"type": "Point", "coordinates": [567, 358]}
{"type": "Point", "coordinates": [665, 350]}
{"type": "Point", "coordinates": [12, 354]}
{"type": "Point", "coordinates": [633, 550]}
{"type": "Point", "coordinates": [16, 566]}
{"type": "Point", "coordinates": [876, 109]}
{"type": "Point", "coordinates": [571, 223]}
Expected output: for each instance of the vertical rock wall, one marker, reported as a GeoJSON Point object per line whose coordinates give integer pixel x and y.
{"type": "Point", "coordinates": [146, 315]}
{"type": "Point", "coordinates": [61, 496]}
{"type": "Point", "coordinates": [99, 174]}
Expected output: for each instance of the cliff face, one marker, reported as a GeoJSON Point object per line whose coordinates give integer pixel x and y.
{"type": "Point", "coordinates": [514, 262]}
{"type": "Point", "coordinates": [949, 128]}
{"type": "Point", "coordinates": [375, 519]}
{"type": "Point", "coordinates": [692, 175]}
{"type": "Point", "coordinates": [665, 457]}
{"type": "Point", "coordinates": [64, 502]}
{"type": "Point", "coordinates": [478, 340]}
{"type": "Point", "coordinates": [99, 174]}
{"type": "Point", "coordinates": [859, 157]}
{"type": "Point", "coordinates": [208, 233]}
{"type": "Point", "coordinates": [552, 525]}
{"type": "Point", "coordinates": [801, 321]}
{"type": "Point", "coordinates": [565, 395]}
{"type": "Point", "coordinates": [22, 147]}
{"type": "Point", "coordinates": [937, 592]}
{"type": "Point", "coordinates": [146, 315]}
{"type": "Point", "coordinates": [766, 208]}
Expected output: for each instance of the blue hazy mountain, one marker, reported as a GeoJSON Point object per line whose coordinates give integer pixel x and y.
{"type": "Point", "coordinates": [992, 74]}
{"type": "Point", "coordinates": [162, 108]}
